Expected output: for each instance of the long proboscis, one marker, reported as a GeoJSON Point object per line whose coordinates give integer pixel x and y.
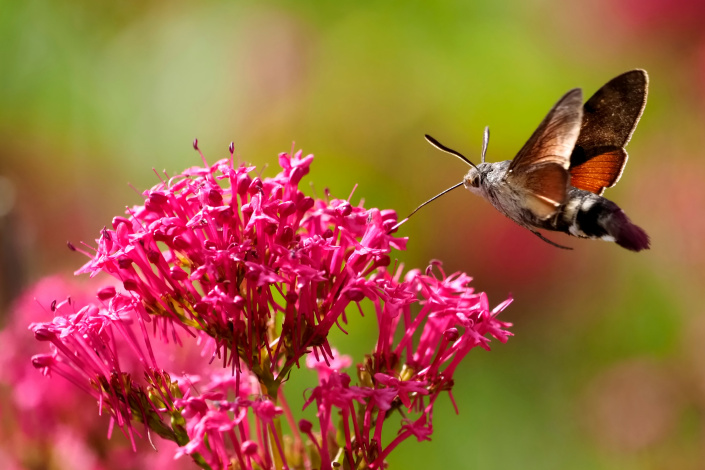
{"type": "Point", "coordinates": [423, 204]}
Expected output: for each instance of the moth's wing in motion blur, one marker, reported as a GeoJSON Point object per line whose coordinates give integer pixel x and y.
{"type": "Point", "coordinates": [609, 119]}
{"type": "Point", "coordinates": [540, 168]}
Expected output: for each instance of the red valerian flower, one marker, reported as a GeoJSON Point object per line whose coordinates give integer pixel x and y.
{"type": "Point", "coordinates": [258, 273]}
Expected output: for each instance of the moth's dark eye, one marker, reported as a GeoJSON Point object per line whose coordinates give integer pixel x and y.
{"type": "Point", "coordinates": [475, 182]}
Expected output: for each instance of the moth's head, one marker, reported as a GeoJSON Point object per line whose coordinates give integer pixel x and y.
{"type": "Point", "coordinates": [479, 177]}
{"type": "Point", "coordinates": [472, 180]}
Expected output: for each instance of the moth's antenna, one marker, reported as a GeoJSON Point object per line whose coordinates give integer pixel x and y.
{"type": "Point", "coordinates": [485, 142]}
{"type": "Point", "coordinates": [445, 149]}
{"type": "Point", "coordinates": [430, 200]}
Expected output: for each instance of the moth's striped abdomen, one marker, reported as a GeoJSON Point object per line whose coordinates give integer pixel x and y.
{"type": "Point", "coordinates": [588, 215]}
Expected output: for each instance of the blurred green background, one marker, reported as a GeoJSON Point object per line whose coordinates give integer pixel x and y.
{"type": "Point", "coordinates": [607, 368]}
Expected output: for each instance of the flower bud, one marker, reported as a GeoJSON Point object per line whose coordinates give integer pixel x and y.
{"type": "Point", "coordinates": [42, 333]}
{"type": "Point", "coordinates": [41, 361]}
{"type": "Point", "coordinates": [451, 334]}
{"type": "Point", "coordinates": [286, 208]}
{"type": "Point", "coordinates": [305, 426]}
{"type": "Point", "coordinates": [305, 204]}
{"type": "Point", "coordinates": [255, 186]}
{"type": "Point", "coordinates": [249, 448]}
{"type": "Point", "coordinates": [177, 273]}
{"type": "Point", "coordinates": [243, 182]}
{"type": "Point", "coordinates": [354, 294]}
{"type": "Point", "coordinates": [124, 262]}
{"type": "Point", "coordinates": [106, 293]}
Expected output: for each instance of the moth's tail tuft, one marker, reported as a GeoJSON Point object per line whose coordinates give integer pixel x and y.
{"type": "Point", "coordinates": [598, 217]}
{"type": "Point", "coordinates": [625, 233]}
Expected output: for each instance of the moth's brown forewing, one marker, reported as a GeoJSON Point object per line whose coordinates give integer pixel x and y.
{"type": "Point", "coordinates": [546, 184]}
{"type": "Point", "coordinates": [609, 119]}
{"type": "Point", "coordinates": [540, 167]}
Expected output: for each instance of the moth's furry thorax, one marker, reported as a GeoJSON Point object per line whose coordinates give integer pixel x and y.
{"type": "Point", "coordinates": [488, 182]}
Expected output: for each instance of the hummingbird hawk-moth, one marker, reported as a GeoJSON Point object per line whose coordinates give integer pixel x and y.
{"type": "Point", "coordinates": [556, 180]}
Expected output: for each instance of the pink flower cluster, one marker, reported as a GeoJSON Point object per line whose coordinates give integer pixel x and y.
{"type": "Point", "coordinates": [48, 423]}
{"type": "Point", "coordinates": [257, 273]}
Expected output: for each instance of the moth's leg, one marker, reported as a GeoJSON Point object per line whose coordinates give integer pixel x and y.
{"type": "Point", "coordinates": [549, 241]}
